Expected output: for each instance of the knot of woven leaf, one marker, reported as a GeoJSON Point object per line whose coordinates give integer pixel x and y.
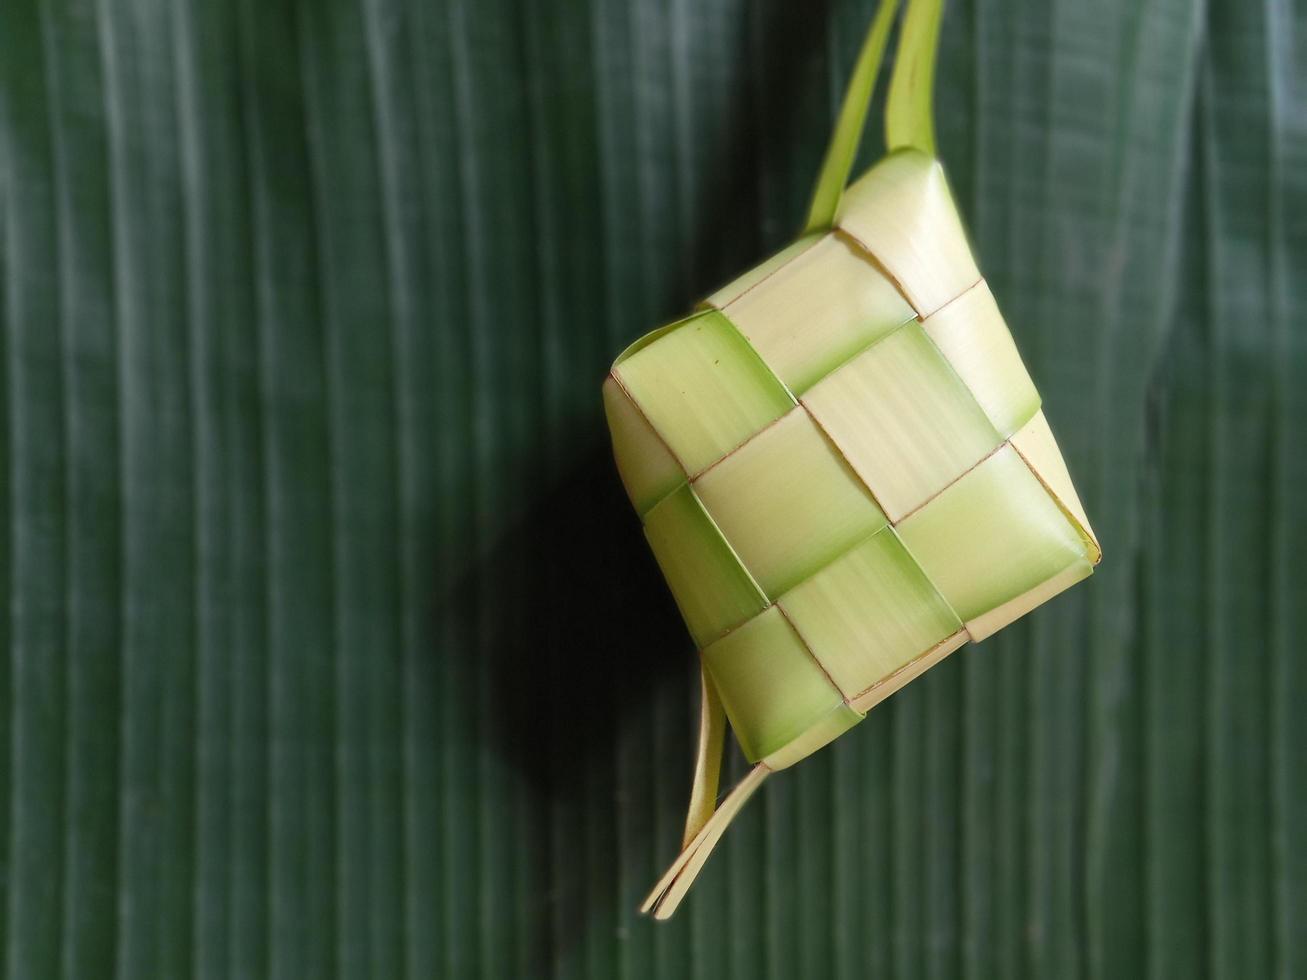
{"type": "Point", "coordinates": [841, 463]}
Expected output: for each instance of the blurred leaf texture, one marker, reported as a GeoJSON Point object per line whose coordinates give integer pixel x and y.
{"type": "Point", "coordinates": [331, 647]}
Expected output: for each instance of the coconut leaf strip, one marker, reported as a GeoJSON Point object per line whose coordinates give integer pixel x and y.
{"type": "Point", "coordinates": [674, 884]}
{"type": "Point", "coordinates": [909, 119]}
{"type": "Point", "coordinates": [708, 764]}
{"type": "Point", "coordinates": [838, 164]}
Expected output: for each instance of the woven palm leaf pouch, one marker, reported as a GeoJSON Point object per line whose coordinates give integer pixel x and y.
{"type": "Point", "coordinates": [840, 460]}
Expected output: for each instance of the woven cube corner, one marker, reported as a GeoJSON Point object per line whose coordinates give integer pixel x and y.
{"type": "Point", "coordinates": [843, 467]}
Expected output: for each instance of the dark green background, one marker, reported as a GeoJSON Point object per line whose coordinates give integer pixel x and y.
{"type": "Point", "coordinates": [330, 644]}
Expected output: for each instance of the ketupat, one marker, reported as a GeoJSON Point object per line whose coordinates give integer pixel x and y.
{"type": "Point", "coordinates": [841, 463]}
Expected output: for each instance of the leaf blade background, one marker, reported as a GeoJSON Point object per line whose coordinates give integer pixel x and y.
{"type": "Point", "coordinates": [332, 646]}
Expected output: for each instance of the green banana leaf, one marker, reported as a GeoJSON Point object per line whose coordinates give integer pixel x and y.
{"type": "Point", "coordinates": [331, 646]}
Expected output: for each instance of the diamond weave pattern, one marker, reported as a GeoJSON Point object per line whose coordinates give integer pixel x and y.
{"type": "Point", "coordinates": [841, 485]}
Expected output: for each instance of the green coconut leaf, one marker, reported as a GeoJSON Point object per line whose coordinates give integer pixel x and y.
{"type": "Point", "coordinates": [332, 646]}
